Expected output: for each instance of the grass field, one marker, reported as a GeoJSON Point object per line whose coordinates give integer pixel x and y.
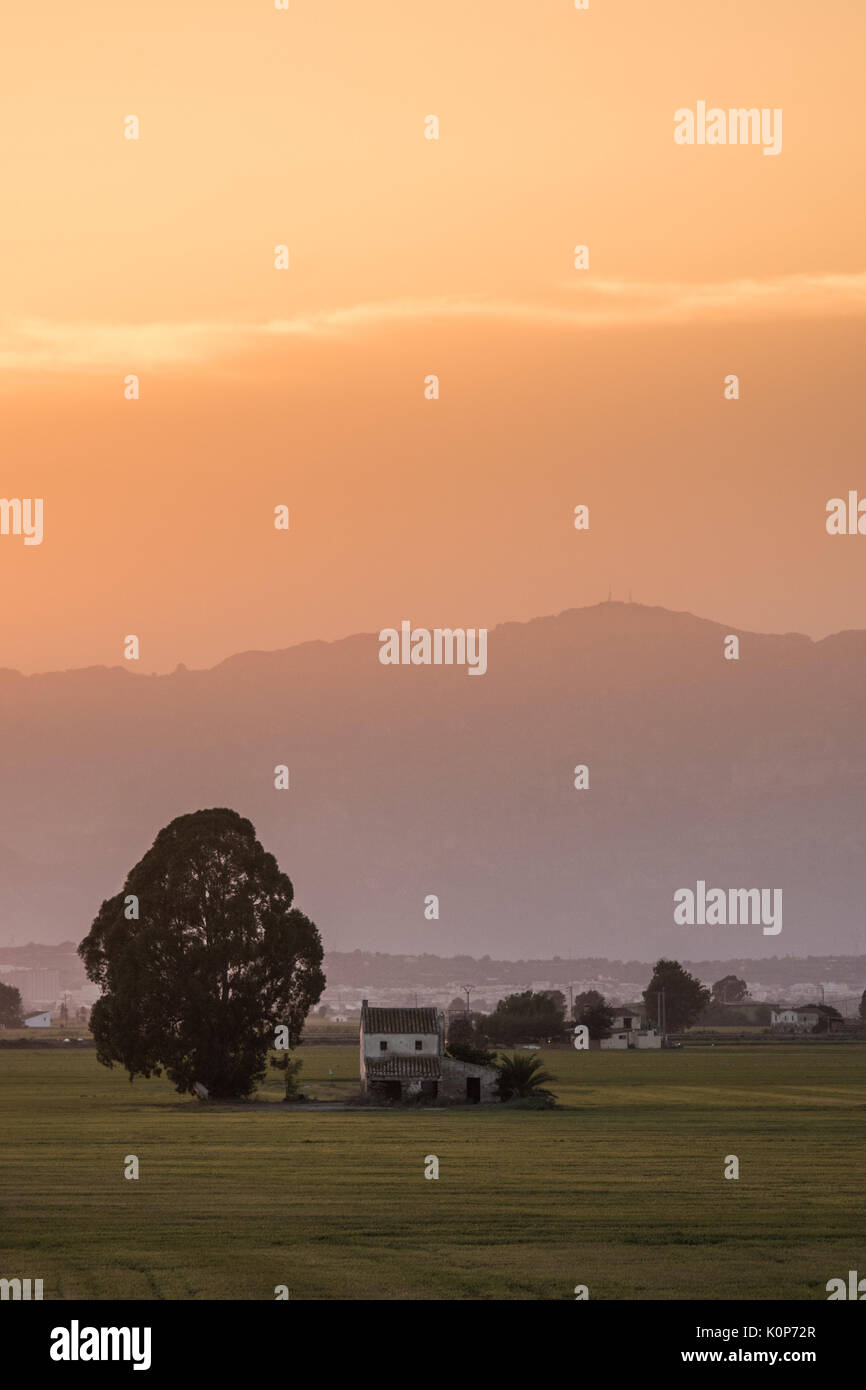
{"type": "Point", "coordinates": [621, 1190]}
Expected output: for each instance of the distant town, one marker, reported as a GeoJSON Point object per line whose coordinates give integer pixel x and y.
{"type": "Point", "coordinates": [51, 978]}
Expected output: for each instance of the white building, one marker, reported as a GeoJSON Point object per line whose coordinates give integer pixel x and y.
{"type": "Point", "coordinates": [629, 1029]}
{"type": "Point", "coordinates": [403, 1055]}
{"type": "Point", "coordinates": [38, 1021]}
{"type": "Point", "coordinates": [798, 1018]}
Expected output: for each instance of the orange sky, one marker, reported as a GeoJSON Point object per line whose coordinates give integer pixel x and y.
{"type": "Point", "coordinates": [408, 257]}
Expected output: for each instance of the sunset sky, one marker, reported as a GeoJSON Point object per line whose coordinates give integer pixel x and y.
{"type": "Point", "coordinates": [410, 257]}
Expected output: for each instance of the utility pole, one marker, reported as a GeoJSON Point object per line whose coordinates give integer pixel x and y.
{"type": "Point", "coordinates": [660, 1010]}
{"type": "Point", "coordinates": [467, 989]}
{"type": "Point", "coordinates": [571, 998]}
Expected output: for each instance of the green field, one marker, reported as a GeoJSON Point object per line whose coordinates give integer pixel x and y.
{"type": "Point", "coordinates": [621, 1190]}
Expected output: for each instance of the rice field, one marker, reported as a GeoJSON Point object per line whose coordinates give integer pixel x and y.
{"type": "Point", "coordinates": [622, 1189]}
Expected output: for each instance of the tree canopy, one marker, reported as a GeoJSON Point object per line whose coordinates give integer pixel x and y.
{"type": "Point", "coordinates": [685, 997]}
{"type": "Point", "coordinates": [524, 1017]}
{"type": "Point", "coordinates": [591, 1009]}
{"type": "Point", "coordinates": [586, 999]}
{"type": "Point", "coordinates": [201, 957]}
{"type": "Point", "coordinates": [730, 990]}
{"type": "Point", "coordinates": [10, 1007]}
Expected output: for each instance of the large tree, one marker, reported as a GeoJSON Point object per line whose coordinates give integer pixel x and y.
{"type": "Point", "coordinates": [685, 997]}
{"type": "Point", "coordinates": [10, 1007]}
{"type": "Point", "coordinates": [201, 957]}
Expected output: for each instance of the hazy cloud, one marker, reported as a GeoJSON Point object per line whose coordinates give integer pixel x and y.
{"type": "Point", "coordinates": [40, 345]}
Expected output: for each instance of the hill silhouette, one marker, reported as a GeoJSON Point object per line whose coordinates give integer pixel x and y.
{"type": "Point", "coordinates": [409, 781]}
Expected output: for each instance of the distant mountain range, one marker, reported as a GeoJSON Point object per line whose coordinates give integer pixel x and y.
{"type": "Point", "coordinates": [411, 781]}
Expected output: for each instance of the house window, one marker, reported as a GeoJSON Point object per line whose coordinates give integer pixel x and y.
{"type": "Point", "coordinates": [418, 1044]}
{"type": "Point", "coordinates": [383, 1046]}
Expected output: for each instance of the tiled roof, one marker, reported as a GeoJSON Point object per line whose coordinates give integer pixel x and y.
{"type": "Point", "coordinates": [415, 1021]}
{"type": "Point", "coordinates": [395, 1068]}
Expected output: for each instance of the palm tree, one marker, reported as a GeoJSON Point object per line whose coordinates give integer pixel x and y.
{"type": "Point", "coordinates": [522, 1076]}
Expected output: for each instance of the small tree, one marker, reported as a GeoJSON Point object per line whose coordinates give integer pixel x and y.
{"type": "Point", "coordinates": [522, 1077]}
{"type": "Point", "coordinates": [827, 1013]}
{"type": "Point", "coordinates": [587, 999]}
{"type": "Point", "coordinates": [461, 1030]}
{"type": "Point", "coordinates": [10, 1007]}
{"type": "Point", "coordinates": [292, 1068]}
{"type": "Point", "coordinates": [730, 990]}
{"type": "Point", "coordinates": [597, 1015]}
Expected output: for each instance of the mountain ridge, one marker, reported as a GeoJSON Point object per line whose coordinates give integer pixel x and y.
{"type": "Point", "coordinates": [411, 781]}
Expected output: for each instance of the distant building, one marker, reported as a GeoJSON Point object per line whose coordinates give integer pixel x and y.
{"type": "Point", "coordinates": [804, 1018]}
{"type": "Point", "coordinates": [38, 1021]}
{"type": "Point", "coordinates": [627, 1018]}
{"type": "Point", "coordinates": [629, 1028]}
{"type": "Point", "coordinates": [403, 1055]}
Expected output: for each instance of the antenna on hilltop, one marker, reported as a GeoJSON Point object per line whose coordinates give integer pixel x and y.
{"type": "Point", "coordinates": [609, 592]}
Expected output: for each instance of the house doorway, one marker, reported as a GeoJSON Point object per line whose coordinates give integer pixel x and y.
{"type": "Point", "coordinates": [473, 1089]}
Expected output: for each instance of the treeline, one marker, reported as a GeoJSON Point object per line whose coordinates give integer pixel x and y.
{"type": "Point", "coordinates": [673, 1001]}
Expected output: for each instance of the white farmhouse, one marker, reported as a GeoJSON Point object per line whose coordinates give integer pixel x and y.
{"type": "Point", "coordinates": [403, 1055]}
{"type": "Point", "coordinates": [38, 1021]}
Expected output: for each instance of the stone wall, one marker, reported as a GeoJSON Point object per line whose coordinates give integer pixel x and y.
{"type": "Point", "coordinates": [452, 1085]}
